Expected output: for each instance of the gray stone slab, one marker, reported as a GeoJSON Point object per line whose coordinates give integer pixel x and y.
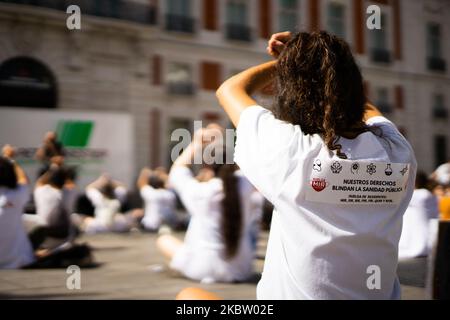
{"type": "Point", "coordinates": [126, 271]}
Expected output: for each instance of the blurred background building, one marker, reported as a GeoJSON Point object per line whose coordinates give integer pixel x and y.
{"type": "Point", "coordinates": [159, 62]}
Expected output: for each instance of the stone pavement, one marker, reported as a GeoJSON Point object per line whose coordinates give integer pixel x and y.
{"type": "Point", "coordinates": [131, 268]}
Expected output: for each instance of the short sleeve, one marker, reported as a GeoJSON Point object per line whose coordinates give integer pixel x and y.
{"type": "Point", "coordinates": [146, 192]}
{"type": "Point", "coordinates": [268, 150]}
{"type": "Point", "coordinates": [94, 196]}
{"type": "Point", "coordinates": [396, 141]}
{"type": "Point", "coordinates": [189, 189]}
{"type": "Point", "coordinates": [386, 124]}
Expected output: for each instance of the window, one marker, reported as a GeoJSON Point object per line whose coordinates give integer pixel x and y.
{"type": "Point", "coordinates": [382, 100]}
{"type": "Point", "coordinates": [179, 79]}
{"type": "Point", "coordinates": [178, 16]}
{"type": "Point", "coordinates": [434, 40]}
{"type": "Point", "coordinates": [440, 149]}
{"type": "Point", "coordinates": [336, 19]}
{"type": "Point", "coordinates": [378, 37]}
{"type": "Point", "coordinates": [25, 82]}
{"type": "Point", "coordinates": [287, 18]}
{"type": "Point", "coordinates": [107, 8]}
{"type": "Point", "coordinates": [236, 17]}
{"type": "Point", "coordinates": [434, 48]}
{"type": "Point", "coordinates": [439, 110]}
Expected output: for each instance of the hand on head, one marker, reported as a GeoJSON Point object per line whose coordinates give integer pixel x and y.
{"type": "Point", "coordinates": [277, 43]}
{"type": "Point", "coordinates": [8, 151]}
{"type": "Point", "coordinates": [57, 161]}
{"type": "Point", "coordinates": [50, 136]}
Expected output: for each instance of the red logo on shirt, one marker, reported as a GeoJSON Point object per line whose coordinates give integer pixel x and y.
{"type": "Point", "coordinates": [318, 184]}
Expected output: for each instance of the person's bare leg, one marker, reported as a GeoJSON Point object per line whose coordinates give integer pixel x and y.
{"type": "Point", "coordinates": [168, 245]}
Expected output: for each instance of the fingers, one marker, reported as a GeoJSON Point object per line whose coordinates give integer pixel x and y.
{"type": "Point", "coordinates": [282, 36]}
{"type": "Point", "coordinates": [8, 151]}
{"type": "Point", "coordinates": [277, 43]}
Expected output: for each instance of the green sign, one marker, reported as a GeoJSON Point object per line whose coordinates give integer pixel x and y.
{"type": "Point", "coordinates": [75, 134]}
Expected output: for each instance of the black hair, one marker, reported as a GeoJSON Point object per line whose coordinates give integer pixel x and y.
{"type": "Point", "coordinates": [108, 191]}
{"type": "Point", "coordinates": [155, 181]}
{"type": "Point", "coordinates": [8, 177]}
{"type": "Point", "coordinates": [422, 181]}
{"type": "Point", "coordinates": [57, 177]}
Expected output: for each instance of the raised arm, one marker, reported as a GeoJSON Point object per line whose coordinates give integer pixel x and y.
{"type": "Point", "coordinates": [9, 152]}
{"type": "Point", "coordinates": [235, 93]}
{"type": "Point", "coordinates": [142, 180]}
{"type": "Point", "coordinates": [100, 182]}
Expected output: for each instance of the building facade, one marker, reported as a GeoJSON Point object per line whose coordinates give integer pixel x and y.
{"type": "Point", "coordinates": [161, 61]}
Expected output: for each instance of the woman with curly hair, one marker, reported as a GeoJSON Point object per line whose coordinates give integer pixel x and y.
{"type": "Point", "coordinates": [338, 173]}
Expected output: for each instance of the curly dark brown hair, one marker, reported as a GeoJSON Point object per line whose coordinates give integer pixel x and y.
{"type": "Point", "coordinates": [320, 88]}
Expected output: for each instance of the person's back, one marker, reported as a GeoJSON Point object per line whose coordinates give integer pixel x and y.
{"type": "Point", "coordinates": [342, 238]}
{"type": "Point", "coordinates": [105, 208]}
{"type": "Point", "coordinates": [159, 207]}
{"type": "Point", "coordinates": [202, 256]}
{"type": "Point", "coordinates": [15, 247]}
{"type": "Point", "coordinates": [49, 203]}
{"type": "Point", "coordinates": [339, 175]}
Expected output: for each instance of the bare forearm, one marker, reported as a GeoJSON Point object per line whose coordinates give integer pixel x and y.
{"type": "Point", "coordinates": [186, 157]}
{"type": "Point", "coordinates": [235, 94]}
{"type": "Point", "coordinates": [143, 178]}
{"type": "Point", "coordinates": [43, 180]}
{"type": "Point", "coordinates": [21, 176]}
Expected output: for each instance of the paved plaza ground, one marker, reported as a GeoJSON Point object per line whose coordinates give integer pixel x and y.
{"type": "Point", "coordinates": [129, 267]}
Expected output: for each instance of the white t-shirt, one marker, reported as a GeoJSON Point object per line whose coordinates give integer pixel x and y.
{"type": "Point", "coordinates": [159, 206]}
{"type": "Point", "coordinates": [50, 203]}
{"type": "Point", "coordinates": [415, 232]}
{"type": "Point", "coordinates": [323, 240]}
{"type": "Point", "coordinates": [201, 256]}
{"type": "Point", "coordinates": [15, 247]}
{"type": "Point", "coordinates": [105, 209]}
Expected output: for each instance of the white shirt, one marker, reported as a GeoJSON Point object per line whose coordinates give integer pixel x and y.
{"type": "Point", "coordinates": [15, 247]}
{"type": "Point", "coordinates": [50, 203]}
{"type": "Point", "coordinates": [201, 256]}
{"type": "Point", "coordinates": [105, 209]}
{"type": "Point", "coordinates": [159, 206]}
{"type": "Point", "coordinates": [415, 232]}
{"type": "Point", "coordinates": [323, 250]}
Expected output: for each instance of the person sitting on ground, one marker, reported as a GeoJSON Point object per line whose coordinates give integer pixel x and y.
{"type": "Point", "coordinates": [217, 245]}
{"type": "Point", "coordinates": [52, 209]}
{"type": "Point", "coordinates": [15, 247]}
{"type": "Point", "coordinates": [158, 201]}
{"type": "Point", "coordinates": [422, 208]}
{"type": "Point", "coordinates": [106, 196]}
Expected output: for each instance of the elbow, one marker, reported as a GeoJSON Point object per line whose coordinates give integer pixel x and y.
{"type": "Point", "coordinates": [220, 92]}
{"type": "Point", "coordinates": [227, 90]}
